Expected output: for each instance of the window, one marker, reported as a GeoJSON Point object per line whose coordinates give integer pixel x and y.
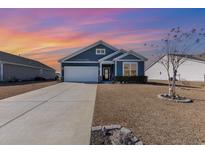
{"type": "Point", "coordinates": [100, 51]}
{"type": "Point", "coordinates": [130, 69]}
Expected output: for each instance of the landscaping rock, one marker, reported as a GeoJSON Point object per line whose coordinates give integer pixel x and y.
{"type": "Point", "coordinates": [114, 135]}
{"type": "Point", "coordinates": [113, 127]}
{"type": "Point", "coordinates": [97, 128]}
{"type": "Point", "coordinates": [177, 99]}
{"type": "Point", "coordinates": [125, 130]}
{"type": "Point", "coordinates": [139, 143]}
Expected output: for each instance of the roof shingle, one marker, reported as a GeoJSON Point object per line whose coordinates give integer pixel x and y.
{"type": "Point", "coordinates": [7, 57]}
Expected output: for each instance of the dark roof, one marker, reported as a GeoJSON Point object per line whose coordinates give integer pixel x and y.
{"type": "Point", "coordinates": [7, 57]}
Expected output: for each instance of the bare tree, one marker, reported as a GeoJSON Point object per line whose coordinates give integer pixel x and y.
{"type": "Point", "coordinates": [175, 49]}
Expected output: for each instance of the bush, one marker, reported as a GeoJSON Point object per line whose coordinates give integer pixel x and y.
{"type": "Point", "coordinates": [131, 79]}
{"type": "Point", "coordinates": [39, 79]}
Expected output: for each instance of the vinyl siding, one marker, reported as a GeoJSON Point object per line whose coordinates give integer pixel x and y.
{"type": "Point", "coordinates": [14, 72]}
{"type": "Point", "coordinates": [190, 70]}
{"type": "Point", "coordinates": [1, 72]}
{"type": "Point", "coordinates": [111, 58]}
{"type": "Point", "coordinates": [90, 55]}
{"type": "Point", "coordinates": [119, 68]}
{"type": "Point", "coordinates": [130, 57]}
{"type": "Point", "coordinates": [141, 68]}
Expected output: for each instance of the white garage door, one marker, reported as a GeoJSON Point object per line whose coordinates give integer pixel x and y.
{"type": "Point", "coordinates": [81, 73]}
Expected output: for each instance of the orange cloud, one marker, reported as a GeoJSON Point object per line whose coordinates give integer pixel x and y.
{"type": "Point", "coordinates": [41, 43]}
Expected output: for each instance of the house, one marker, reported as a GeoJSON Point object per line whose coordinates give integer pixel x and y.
{"type": "Point", "coordinates": [192, 69]}
{"type": "Point", "coordinates": [101, 62]}
{"type": "Point", "coordinates": [17, 68]}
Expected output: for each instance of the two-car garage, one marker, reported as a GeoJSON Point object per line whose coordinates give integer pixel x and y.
{"type": "Point", "coordinates": [81, 73]}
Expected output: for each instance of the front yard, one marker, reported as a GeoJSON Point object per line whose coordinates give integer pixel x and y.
{"type": "Point", "coordinates": [12, 89]}
{"type": "Point", "coordinates": [153, 120]}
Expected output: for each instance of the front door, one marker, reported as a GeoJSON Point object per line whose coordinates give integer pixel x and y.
{"type": "Point", "coordinates": [106, 73]}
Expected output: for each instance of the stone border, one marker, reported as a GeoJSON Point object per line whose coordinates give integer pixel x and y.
{"type": "Point", "coordinates": [108, 127]}
{"type": "Point", "coordinates": [114, 135]}
{"type": "Point", "coordinates": [185, 100]}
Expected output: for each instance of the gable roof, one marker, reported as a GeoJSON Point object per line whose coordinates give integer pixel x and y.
{"type": "Point", "coordinates": [14, 59]}
{"type": "Point", "coordinates": [192, 57]}
{"type": "Point", "coordinates": [112, 55]}
{"type": "Point", "coordinates": [131, 52]}
{"type": "Point", "coordinates": [87, 48]}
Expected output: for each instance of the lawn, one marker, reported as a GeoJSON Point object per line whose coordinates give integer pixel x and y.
{"type": "Point", "coordinates": [153, 120]}
{"type": "Point", "coordinates": [12, 89]}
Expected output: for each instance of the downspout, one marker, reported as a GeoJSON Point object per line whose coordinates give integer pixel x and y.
{"type": "Point", "coordinates": [2, 72]}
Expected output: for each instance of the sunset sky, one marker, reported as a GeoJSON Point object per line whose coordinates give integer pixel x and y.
{"type": "Point", "coordinates": [50, 34]}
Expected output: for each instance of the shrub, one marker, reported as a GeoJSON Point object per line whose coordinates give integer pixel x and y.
{"type": "Point", "coordinates": [38, 78]}
{"type": "Point", "coordinates": [131, 79]}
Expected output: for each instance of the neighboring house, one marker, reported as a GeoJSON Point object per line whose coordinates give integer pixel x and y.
{"type": "Point", "coordinates": [17, 68]}
{"type": "Point", "coordinates": [192, 69]}
{"type": "Point", "coordinates": [101, 62]}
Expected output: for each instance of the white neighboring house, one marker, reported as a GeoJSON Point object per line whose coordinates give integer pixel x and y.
{"type": "Point", "coordinates": [193, 69]}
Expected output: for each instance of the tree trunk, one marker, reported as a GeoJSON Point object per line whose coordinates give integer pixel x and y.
{"type": "Point", "coordinates": [173, 92]}
{"type": "Point", "coordinates": [170, 89]}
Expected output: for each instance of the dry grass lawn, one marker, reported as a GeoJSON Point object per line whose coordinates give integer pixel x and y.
{"type": "Point", "coordinates": [12, 89]}
{"type": "Point", "coordinates": [153, 120]}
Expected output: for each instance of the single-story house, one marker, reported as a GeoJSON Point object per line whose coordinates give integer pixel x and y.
{"type": "Point", "coordinates": [101, 62]}
{"type": "Point", "coordinates": [17, 68]}
{"type": "Point", "coordinates": [192, 69]}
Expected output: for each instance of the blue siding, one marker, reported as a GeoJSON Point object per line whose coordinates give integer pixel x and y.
{"type": "Point", "coordinates": [90, 54]}
{"type": "Point", "coordinates": [120, 68]}
{"type": "Point", "coordinates": [111, 58]}
{"type": "Point", "coordinates": [130, 57]}
{"type": "Point", "coordinates": [141, 68]}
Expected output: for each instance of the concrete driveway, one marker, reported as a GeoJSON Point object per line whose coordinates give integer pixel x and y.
{"type": "Point", "coordinates": [59, 114]}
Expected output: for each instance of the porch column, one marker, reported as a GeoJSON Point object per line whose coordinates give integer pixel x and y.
{"type": "Point", "coordinates": [115, 68]}
{"type": "Point", "coordinates": [100, 69]}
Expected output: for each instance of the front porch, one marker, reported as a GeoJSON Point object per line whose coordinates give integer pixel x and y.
{"type": "Point", "coordinates": [107, 70]}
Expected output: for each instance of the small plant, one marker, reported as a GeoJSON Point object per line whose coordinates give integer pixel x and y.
{"type": "Point", "coordinates": [131, 79]}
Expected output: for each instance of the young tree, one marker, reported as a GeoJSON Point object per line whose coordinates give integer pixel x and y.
{"type": "Point", "coordinates": [175, 48]}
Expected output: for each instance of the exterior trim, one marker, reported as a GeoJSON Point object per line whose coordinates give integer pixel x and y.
{"type": "Point", "coordinates": [99, 53]}
{"type": "Point", "coordinates": [4, 62]}
{"type": "Point", "coordinates": [131, 53]}
{"type": "Point", "coordinates": [108, 56]}
{"type": "Point", "coordinates": [129, 60]}
{"type": "Point", "coordinates": [100, 69]}
{"type": "Point", "coordinates": [107, 62]}
{"type": "Point", "coordinates": [2, 72]}
{"type": "Point", "coordinates": [121, 56]}
{"type": "Point", "coordinates": [130, 63]}
{"type": "Point", "coordinates": [156, 61]}
{"type": "Point", "coordinates": [115, 68]}
{"type": "Point", "coordinates": [87, 48]}
{"type": "Point", "coordinates": [137, 55]}
{"type": "Point", "coordinates": [80, 62]}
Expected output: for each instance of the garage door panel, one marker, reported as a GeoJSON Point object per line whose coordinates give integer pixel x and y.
{"type": "Point", "coordinates": [81, 73]}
